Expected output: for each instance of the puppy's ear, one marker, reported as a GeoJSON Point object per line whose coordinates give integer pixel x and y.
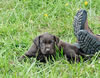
{"type": "Point", "coordinates": [37, 41]}
{"type": "Point", "coordinates": [56, 40]}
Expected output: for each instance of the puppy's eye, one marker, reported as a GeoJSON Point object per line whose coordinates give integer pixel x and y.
{"type": "Point", "coordinates": [50, 42]}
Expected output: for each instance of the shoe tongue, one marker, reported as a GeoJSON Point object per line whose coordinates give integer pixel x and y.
{"type": "Point", "coordinates": [77, 45]}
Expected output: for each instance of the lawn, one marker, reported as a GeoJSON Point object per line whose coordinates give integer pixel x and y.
{"type": "Point", "coordinates": [22, 20]}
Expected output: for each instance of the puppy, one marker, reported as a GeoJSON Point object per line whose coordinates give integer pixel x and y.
{"type": "Point", "coordinates": [45, 46]}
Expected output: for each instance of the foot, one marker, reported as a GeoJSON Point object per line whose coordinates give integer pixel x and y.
{"type": "Point", "coordinates": [79, 21]}
{"type": "Point", "coordinates": [88, 42]}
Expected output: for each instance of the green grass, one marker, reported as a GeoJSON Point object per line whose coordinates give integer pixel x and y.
{"type": "Point", "coordinates": [21, 21]}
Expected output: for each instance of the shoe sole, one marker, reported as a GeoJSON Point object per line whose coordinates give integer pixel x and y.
{"type": "Point", "coordinates": [88, 43]}
{"type": "Point", "coordinates": [79, 21]}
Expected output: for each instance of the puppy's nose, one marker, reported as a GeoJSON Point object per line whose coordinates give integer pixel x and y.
{"type": "Point", "coordinates": [47, 49]}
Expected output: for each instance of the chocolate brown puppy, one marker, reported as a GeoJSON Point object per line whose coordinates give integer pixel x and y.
{"type": "Point", "coordinates": [45, 46]}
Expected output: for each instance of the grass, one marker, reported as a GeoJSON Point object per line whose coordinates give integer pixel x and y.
{"type": "Point", "coordinates": [22, 20]}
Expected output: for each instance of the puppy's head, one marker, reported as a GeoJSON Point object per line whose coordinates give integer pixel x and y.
{"type": "Point", "coordinates": [46, 43]}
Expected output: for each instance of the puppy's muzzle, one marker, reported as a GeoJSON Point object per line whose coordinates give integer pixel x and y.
{"type": "Point", "coordinates": [47, 50]}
